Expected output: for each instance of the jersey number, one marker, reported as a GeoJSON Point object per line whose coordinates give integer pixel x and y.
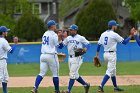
{"type": "Point", "coordinates": [105, 40]}
{"type": "Point", "coordinates": [45, 40]}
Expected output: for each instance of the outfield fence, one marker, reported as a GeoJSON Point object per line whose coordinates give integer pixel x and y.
{"type": "Point", "coordinates": [29, 52]}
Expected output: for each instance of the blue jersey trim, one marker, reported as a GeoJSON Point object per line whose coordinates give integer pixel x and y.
{"type": "Point", "coordinates": [98, 48]}
{"type": "Point", "coordinates": [87, 46]}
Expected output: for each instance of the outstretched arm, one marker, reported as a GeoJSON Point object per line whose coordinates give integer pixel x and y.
{"type": "Point", "coordinates": [125, 41]}
{"type": "Point", "coordinates": [137, 39]}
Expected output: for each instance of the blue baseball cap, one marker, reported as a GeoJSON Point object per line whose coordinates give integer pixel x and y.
{"type": "Point", "coordinates": [113, 23]}
{"type": "Point", "coordinates": [73, 27]}
{"type": "Point", "coordinates": [4, 29]}
{"type": "Point", "coordinates": [51, 23]}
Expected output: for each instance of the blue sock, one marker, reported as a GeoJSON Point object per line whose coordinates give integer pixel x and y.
{"type": "Point", "coordinates": [4, 86]}
{"type": "Point", "coordinates": [114, 81]}
{"type": "Point", "coordinates": [56, 83]}
{"type": "Point", "coordinates": [105, 79]}
{"type": "Point", "coordinates": [38, 80]}
{"type": "Point", "coordinates": [80, 80]}
{"type": "Point", "coordinates": [71, 82]}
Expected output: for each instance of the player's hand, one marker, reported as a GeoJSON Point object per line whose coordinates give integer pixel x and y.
{"type": "Point", "coordinates": [15, 40]}
{"type": "Point", "coordinates": [132, 31]}
{"type": "Point", "coordinates": [84, 49]}
{"type": "Point", "coordinates": [136, 32]}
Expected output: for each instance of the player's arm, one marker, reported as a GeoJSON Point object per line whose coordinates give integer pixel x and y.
{"type": "Point", "coordinates": [9, 48]}
{"type": "Point", "coordinates": [62, 43]}
{"type": "Point", "coordinates": [99, 46]}
{"type": "Point", "coordinates": [122, 40]}
{"type": "Point", "coordinates": [86, 43]}
{"type": "Point", "coordinates": [126, 40]}
{"type": "Point", "coordinates": [137, 38]}
{"type": "Point", "coordinates": [98, 49]}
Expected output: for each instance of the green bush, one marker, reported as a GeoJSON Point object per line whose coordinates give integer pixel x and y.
{"type": "Point", "coordinates": [29, 27]}
{"type": "Point", "coordinates": [6, 20]}
{"type": "Point", "coordinates": [134, 5]}
{"type": "Point", "coordinates": [92, 20]}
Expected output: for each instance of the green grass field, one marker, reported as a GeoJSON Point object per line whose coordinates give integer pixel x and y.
{"type": "Point", "coordinates": [128, 89]}
{"type": "Point", "coordinates": [123, 68]}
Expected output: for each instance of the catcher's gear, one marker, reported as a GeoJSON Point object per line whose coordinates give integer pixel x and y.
{"type": "Point", "coordinates": [61, 57]}
{"type": "Point", "coordinates": [79, 52]}
{"type": "Point", "coordinates": [97, 62]}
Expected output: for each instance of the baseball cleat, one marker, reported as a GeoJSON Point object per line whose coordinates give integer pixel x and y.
{"type": "Point", "coordinates": [100, 89]}
{"type": "Point", "coordinates": [118, 89]}
{"type": "Point", "coordinates": [87, 87]}
{"type": "Point", "coordinates": [34, 90]}
{"type": "Point", "coordinates": [65, 92]}
{"type": "Point", "coordinates": [56, 91]}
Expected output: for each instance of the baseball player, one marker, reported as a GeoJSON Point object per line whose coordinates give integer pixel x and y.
{"type": "Point", "coordinates": [73, 42]}
{"type": "Point", "coordinates": [137, 38]}
{"type": "Point", "coordinates": [109, 40]}
{"type": "Point", "coordinates": [48, 58]}
{"type": "Point", "coordinates": [4, 49]}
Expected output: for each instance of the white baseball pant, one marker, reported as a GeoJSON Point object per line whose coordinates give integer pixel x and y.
{"type": "Point", "coordinates": [74, 65]}
{"type": "Point", "coordinates": [110, 58]}
{"type": "Point", "coordinates": [49, 61]}
{"type": "Point", "coordinates": [3, 71]}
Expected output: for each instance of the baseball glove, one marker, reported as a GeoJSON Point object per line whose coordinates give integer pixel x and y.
{"type": "Point", "coordinates": [96, 62]}
{"type": "Point", "coordinates": [79, 52]}
{"type": "Point", "coordinates": [61, 57]}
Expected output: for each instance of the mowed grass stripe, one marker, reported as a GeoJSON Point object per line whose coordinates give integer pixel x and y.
{"type": "Point", "coordinates": [123, 68]}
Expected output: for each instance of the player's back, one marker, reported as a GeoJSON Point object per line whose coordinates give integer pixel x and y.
{"type": "Point", "coordinates": [109, 40]}
{"type": "Point", "coordinates": [49, 42]}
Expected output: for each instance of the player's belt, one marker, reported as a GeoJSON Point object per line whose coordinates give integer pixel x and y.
{"type": "Point", "coordinates": [71, 56]}
{"type": "Point", "coordinates": [2, 58]}
{"type": "Point", "coordinates": [110, 51]}
{"type": "Point", "coordinates": [50, 53]}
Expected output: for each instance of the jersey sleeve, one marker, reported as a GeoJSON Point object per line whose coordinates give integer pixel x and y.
{"type": "Point", "coordinates": [100, 41]}
{"type": "Point", "coordinates": [65, 42]}
{"type": "Point", "coordinates": [118, 38]}
{"type": "Point", "coordinates": [6, 46]}
{"type": "Point", "coordinates": [84, 40]}
{"type": "Point", "coordinates": [55, 37]}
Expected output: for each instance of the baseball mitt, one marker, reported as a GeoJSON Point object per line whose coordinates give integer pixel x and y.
{"type": "Point", "coordinates": [61, 57]}
{"type": "Point", "coordinates": [96, 62]}
{"type": "Point", "coordinates": [79, 52]}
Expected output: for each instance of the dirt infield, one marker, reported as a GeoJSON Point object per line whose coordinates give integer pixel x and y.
{"type": "Point", "coordinates": [94, 81]}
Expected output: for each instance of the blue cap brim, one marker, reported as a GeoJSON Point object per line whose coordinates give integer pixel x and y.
{"type": "Point", "coordinates": [8, 30]}
{"type": "Point", "coordinates": [117, 24]}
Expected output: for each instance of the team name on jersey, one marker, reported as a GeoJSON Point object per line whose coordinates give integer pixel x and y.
{"type": "Point", "coordinates": [73, 41]}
